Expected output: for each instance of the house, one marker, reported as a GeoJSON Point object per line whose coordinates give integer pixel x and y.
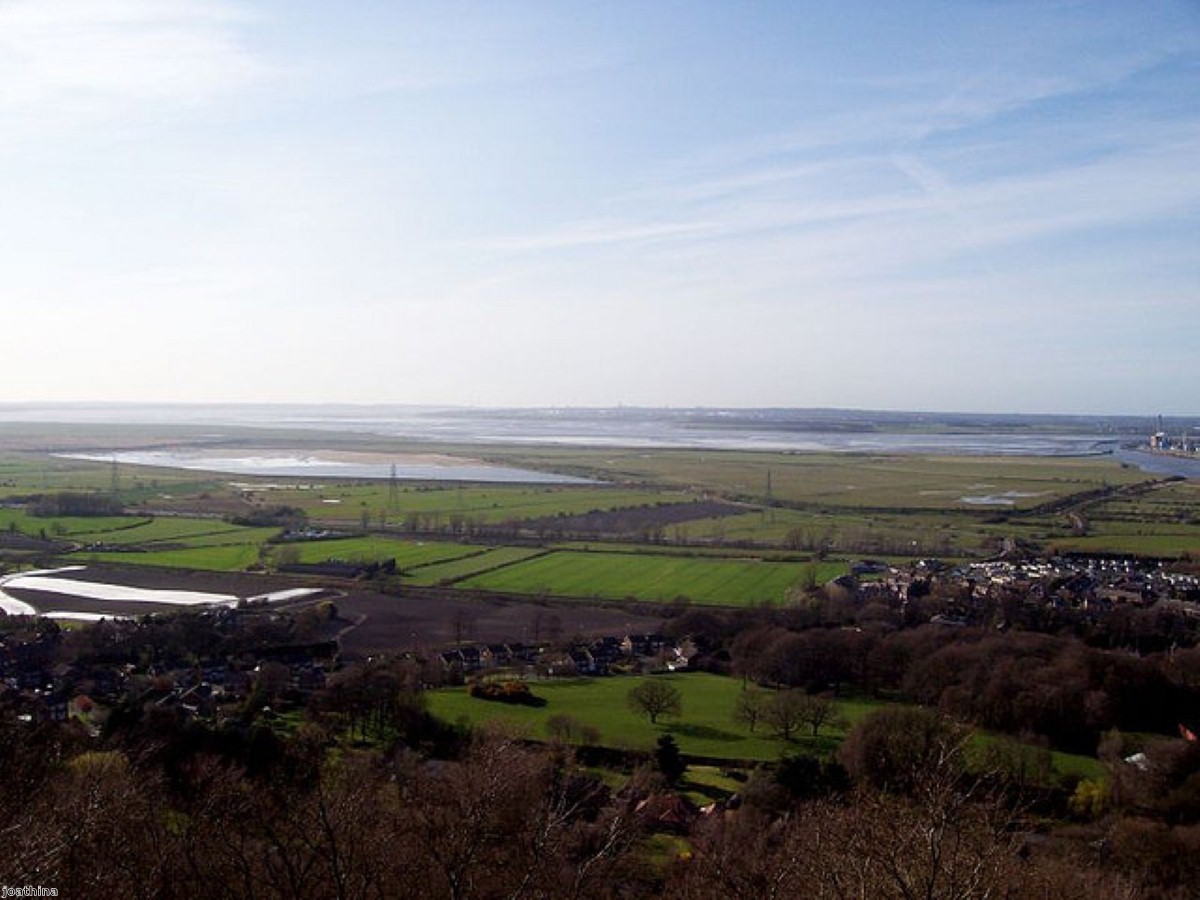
{"type": "Point", "coordinates": [667, 812]}
{"type": "Point", "coordinates": [308, 679]}
{"type": "Point", "coordinates": [54, 707]}
{"type": "Point", "coordinates": [643, 644]}
{"type": "Point", "coordinates": [494, 656]}
{"type": "Point", "coordinates": [585, 663]}
{"type": "Point", "coordinates": [557, 662]}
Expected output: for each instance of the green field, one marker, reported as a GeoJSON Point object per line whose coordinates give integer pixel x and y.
{"type": "Point", "coordinates": [482, 560]}
{"type": "Point", "coordinates": [30, 472]}
{"type": "Point", "coordinates": [836, 505]}
{"type": "Point", "coordinates": [662, 578]}
{"type": "Point", "coordinates": [157, 535]}
{"type": "Point", "coordinates": [705, 728]}
{"type": "Point", "coordinates": [437, 505]}
{"type": "Point", "coordinates": [373, 548]}
{"type": "Point", "coordinates": [222, 558]}
{"type": "Point", "coordinates": [194, 532]}
{"type": "Point", "coordinates": [850, 480]}
{"type": "Point", "coordinates": [71, 527]}
{"type": "Point", "coordinates": [1172, 545]}
{"type": "Point", "coordinates": [1162, 522]}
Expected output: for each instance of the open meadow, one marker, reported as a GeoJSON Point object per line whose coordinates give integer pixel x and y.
{"type": "Point", "coordinates": [666, 524]}
{"type": "Point", "coordinates": [705, 727]}
{"type": "Point", "coordinates": [645, 576]}
{"type": "Point", "coordinates": [852, 480]}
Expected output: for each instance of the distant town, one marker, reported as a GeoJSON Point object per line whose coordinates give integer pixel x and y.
{"type": "Point", "coordinates": [1185, 443]}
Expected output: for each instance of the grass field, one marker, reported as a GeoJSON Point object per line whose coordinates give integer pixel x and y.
{"type": "Point", "coordinates": [26, 473]}
{"type": "Point", "coordinates": [843, 505]}
{"type": "Point", "coordinates": [221, 558]}
{"type": "Point", "coordinates": [1162, 522]}
{"type": "Point", "coordinates": [853, 480]}
{"type": "Point", "coordinates": [714, 552]}
{"type": "Point", "coordinates": [1160, 544]}
{"type": "Point", "coordinates": [1176, 502]}
{"type": "Point", "coordinates": [705, 728]}
{"type": "Point", "coordinates": [492, 505]}
{"type": "Point", "coordinates": [174, 530]}
{"type": "Point", "coordinates": [64, 526]}
{"type": "Point", "coordinates": [732, 582]}
{"type": "Point", "coordinates": [372, 548]}
{"type": "Point", "coordinates": [481, 561]}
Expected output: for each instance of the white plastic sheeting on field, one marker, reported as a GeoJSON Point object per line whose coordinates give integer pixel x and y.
{"type": "Point", "coordinates": [47, 582]}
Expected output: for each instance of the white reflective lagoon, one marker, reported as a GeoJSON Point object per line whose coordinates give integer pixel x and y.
{"type": "Point", "coordinates": [331, 464]}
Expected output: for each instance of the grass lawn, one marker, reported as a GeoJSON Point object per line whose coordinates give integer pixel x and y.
{"type": "Point", "coordinates": [1061, 763]}
{"type": "Point", "coordinates": [705, 728]}
{"type": "Point", "coordinates": [1076, 764]}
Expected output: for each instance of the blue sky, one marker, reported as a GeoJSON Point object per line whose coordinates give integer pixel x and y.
{"type": "Point", "coordinates": [982, 206]}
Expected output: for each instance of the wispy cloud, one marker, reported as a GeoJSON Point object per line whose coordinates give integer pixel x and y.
{"type": "Point", "coordinates": [60, 58]}
{"type": "Point", "coordinates": [851, 214]}
{"type": "Point", "coordinates": [892, 191]}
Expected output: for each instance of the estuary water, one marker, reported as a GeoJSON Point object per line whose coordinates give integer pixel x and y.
{"type": "Point", "coordinates": [1161, 463]}
{"type": "Point", "coordinates": [781, 430]}
{"type": "Point", "coordinates": [331, 466]}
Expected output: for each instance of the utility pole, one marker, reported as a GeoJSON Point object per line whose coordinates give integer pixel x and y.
{"type": "Point", "coordinates": [769, 511]}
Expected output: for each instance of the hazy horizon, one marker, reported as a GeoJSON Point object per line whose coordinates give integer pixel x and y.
{"type": "Point", "coordinates": [103, 407]}
{"type": "Point", "coordinates": [981, 207]}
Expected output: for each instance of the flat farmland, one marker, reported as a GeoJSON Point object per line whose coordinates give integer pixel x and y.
{"type": "Point", "coordinates": [203, 543]}
{"type": "Point", "coordinates": [26, 473]}
{"type": "Point", "coordinates": [1164, 521]}
{"type": "Point", "coordinates": [66, 526]}
{"type": "Point", "coordinates": [870, 533]}
{"type": "Point", "coordinates": [1173, 503]}
{"type": "Point", "coordinates": [482, 560]}
{"type": "Point", "coordinates": [493, 505]}
{"type": "Point", "coordinates": [220, 558]}
{"type": "Point", "coordinates": [1158, 543]}
{"type": "Point", "coordinates": [660, 578]}
{"type": "Point", "coordinates": [856, 480]}
{"type": "Point", "coordinates": [371, 549]}
{"type": "Point", "coordinates": [422, 618]}
{"type": "Point", "coordinates": [173, 530]}
{"type": "Point", "coordinates": [776, 555]}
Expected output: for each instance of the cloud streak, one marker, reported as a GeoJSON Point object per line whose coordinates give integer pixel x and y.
{"type": "Point", "coordinates": [536, 207]}
{"type": "Point", "coordinates": [67, 60]}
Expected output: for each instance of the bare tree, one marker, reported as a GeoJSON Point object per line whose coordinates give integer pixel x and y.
{"type": "Point", "coordinates": [655, 698]}
{"type": "Point", "coordinates": [816, 711]}
{"type": "Point", "coordinates": [785, 712]}
{"type": "Point", "coordinates": [749, 707]}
